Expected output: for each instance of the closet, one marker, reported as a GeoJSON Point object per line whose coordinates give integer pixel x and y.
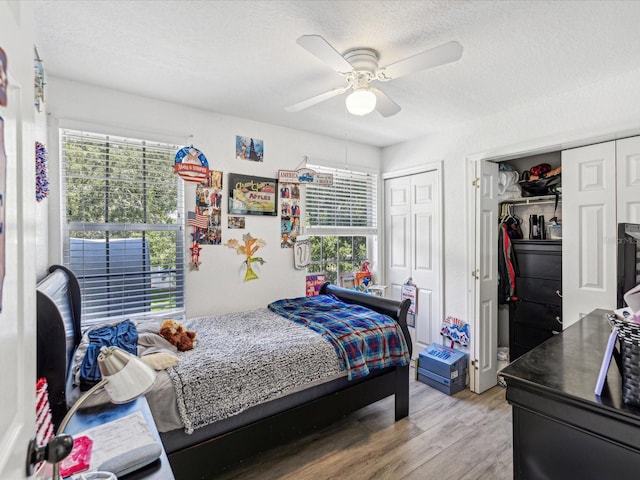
{"type": "Point", "coordinates": [600, 188]}
{"type": "Point", "coordinates": [534, 314]}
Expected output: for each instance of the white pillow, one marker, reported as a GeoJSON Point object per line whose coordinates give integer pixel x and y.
{"type": "Point", "coordinates": [160, 360]}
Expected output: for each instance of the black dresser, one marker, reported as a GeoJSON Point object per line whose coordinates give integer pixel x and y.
{"type": "Point", "coordinates": [537, 314]}
{"type": "Point", "coordinates": [561, 429]}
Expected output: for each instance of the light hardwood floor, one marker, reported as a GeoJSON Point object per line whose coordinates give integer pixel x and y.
{"type": "Point", "coordinates": [464, 436]}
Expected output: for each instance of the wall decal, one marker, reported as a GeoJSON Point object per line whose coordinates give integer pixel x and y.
{"type": "Point", "coordinates": [248, 248]}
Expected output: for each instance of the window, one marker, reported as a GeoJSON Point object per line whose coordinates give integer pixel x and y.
{"type": "Point", "coordinates": [123, 224]}
{"type": "Point", "coordinates": [342, 222]}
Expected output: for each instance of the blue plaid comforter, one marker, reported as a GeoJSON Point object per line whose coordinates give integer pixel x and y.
{"type": "Point", "coordinates": [363, 339]}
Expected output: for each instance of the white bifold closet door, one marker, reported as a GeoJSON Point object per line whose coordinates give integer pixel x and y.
{"type": "Point", "coordinates": [413, 248]}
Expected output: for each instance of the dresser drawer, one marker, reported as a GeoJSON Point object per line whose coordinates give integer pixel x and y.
{"type": "Point", "coordinates": [539, 259]}
{"type": "Point", "coordinates": [538, 315]}
{"type": "Point", "coordinates": [525, 337]}
{"type": "Point", "coordinates": [540, 290]}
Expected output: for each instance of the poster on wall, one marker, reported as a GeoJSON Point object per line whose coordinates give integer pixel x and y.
{"type": "Point", "coordinates": [249, 195]}
{"type": "Point", "coordinates": [289, 214]}
{"type": "Point", "coordinates": [4, 78]}
{"type": "Point", "coordinates": [248, 148]}
{"type": "Point", "coordinates": [207, 217]}
{"type": "Point", "coordinates": [410, 292]}
{"type": "Point", "coordinates": [3, 189]}
{"type": "Point", "coordinates": [314, 282]}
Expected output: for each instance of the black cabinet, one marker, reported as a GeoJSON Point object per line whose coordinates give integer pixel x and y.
{"type": "Point", "coordinates": [536, 315]}
{"type": "Point", "coordinates": [561, 429]}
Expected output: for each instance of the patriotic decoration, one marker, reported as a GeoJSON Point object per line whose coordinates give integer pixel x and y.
{"type": "Point", "coordinates": [42, 180]}
{"type": "Point", "coordinates": [198, 220]}
{"type": "Point", "coordinates": [44, 423]}
{"type": "Point", "coordinates": [191, 164]}
{"type": "Point", "coordinates": [456, 330]}
{"type": "Point", "coordinates": [195, 256]}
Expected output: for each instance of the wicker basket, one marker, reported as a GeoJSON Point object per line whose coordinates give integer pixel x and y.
{"type": "Point", "coordinates": [629, 337]}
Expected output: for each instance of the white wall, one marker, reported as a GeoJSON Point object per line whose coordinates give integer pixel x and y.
{"type": "Point", "coordinates": [218, 286]}
{"type": "Point", "coordinates": [595, 113]}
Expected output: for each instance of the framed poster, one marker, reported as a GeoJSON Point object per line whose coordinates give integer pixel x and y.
{"type": "Point", "coordinates": [250, 195]}
{"type": "Point", "coordinates": [314, 282]}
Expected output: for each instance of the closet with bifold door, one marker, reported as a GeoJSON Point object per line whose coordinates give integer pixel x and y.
{"type": "Point", "coordinates": [530, 291]}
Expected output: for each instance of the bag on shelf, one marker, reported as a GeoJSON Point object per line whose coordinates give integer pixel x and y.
{"type": "Point", "coordinates": [533, 186]}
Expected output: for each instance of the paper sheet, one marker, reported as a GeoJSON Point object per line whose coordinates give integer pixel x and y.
{"type": "Point", "coordinates": [117, 437]}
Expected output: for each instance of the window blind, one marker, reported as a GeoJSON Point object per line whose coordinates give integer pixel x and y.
{"type": "Point", "coordinates": [123, 224]}
{"type": "Point", "coordinates": [349, 206]}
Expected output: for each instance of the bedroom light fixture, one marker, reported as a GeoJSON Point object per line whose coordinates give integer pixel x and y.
{"type": "Point", "coordinates": [361, 101]}
{"type": "Point", "coordinates": [124, 377]}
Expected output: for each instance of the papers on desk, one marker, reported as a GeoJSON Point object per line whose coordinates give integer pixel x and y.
{"type": "Point", "coordinates": [113, 439]}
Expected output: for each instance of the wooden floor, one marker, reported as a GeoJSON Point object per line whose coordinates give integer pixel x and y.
{"type": "Point", "coordinates": [464, 436]}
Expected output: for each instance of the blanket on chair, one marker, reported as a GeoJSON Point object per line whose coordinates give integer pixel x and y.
{"type": "Point", "coordinates": [365, 340]}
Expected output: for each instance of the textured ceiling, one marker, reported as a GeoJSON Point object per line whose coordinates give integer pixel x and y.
{"type": "Point", "coordinates": [241, 58]}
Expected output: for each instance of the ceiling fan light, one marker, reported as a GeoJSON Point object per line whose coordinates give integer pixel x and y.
{"type": "Point", "coordinates": [361, 101]}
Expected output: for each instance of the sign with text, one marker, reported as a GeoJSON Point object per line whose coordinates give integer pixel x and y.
{"type": "Point", "coordinates": [304, 175]}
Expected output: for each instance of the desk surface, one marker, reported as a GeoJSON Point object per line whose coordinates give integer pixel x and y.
{"type": "Point", "coordinates": [93, 417]}
{"type": "Point", "coordinates": [568, 365]}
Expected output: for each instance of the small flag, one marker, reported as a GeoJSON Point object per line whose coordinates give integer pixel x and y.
{"type": "Point", "coordinates": [197, 220]}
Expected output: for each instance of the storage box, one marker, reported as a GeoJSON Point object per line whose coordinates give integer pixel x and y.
{"type": "Point", "coordinates": [444, 361]}
{"type": "Point", "coordinates": [445, 385]}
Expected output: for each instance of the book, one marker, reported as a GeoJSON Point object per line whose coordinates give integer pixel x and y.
{"type": "Point", "coordinates": [606, 361]}
{"type": "Point", "coordinates": [79, 459]}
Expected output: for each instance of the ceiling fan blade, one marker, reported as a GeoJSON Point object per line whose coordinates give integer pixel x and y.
{"type": "Point", "coordinates": [323, 50]}
{"type": "Point", "coordinates": [447, 53]}
{"type": "Point", "coordinates": [384, 105]}
{"type": "Point", "coordinates": [314, 100]}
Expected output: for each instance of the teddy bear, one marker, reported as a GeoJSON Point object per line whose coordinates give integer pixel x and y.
{"type": "Point", "coordinates": [176, 334]}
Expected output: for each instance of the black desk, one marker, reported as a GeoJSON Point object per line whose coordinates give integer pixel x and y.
{"type": "Point", "coordinates": [160, 469]}
{"type": "Point", "coordinates": [561, 430]}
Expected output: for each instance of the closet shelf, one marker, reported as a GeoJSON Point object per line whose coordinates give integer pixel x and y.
{"type": "Point", "coordinates": [540, 200]}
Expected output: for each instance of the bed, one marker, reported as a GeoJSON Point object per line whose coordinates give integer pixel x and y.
{"type": "Point", "coordinates": [211, 448]}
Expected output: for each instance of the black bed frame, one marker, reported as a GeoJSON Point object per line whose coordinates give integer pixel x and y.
{"type": "Point", "coordinates": [58, 333]}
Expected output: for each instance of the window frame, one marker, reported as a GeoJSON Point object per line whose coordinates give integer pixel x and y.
{"type": "Point", "coordinates": [371, 233]}
{"type": "Point", "coordinates": [97, 134]}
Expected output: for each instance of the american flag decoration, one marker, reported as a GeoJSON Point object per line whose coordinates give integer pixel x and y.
{"type": "Point", "coordinates": [198, 220]}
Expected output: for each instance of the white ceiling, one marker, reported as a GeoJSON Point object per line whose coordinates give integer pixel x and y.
{"type": "Point", "coordinates": [241, 58]}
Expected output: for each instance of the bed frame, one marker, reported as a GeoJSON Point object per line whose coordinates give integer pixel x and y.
{"type": "Point", "coordinates": [59, 333]}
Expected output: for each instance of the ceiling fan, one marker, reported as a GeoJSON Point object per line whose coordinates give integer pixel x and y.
{"type": "Point", "coordinates": [360, 67]}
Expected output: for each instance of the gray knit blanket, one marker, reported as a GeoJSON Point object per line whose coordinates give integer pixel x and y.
{"type": "Point", "coordinates": [243, 359]}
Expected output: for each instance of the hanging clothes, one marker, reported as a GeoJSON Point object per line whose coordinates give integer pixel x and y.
{"type": "Point", "coordinates": [507, 267]}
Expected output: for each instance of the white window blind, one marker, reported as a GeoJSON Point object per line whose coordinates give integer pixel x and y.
{"type": "Point", "coordinates": [349, 206]}
{"type": "Point", "coordinates": [123, 223]}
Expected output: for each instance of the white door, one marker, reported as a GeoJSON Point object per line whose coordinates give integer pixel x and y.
{"type": "Point", "coordinates": [628, 184]}
{"type": "Point", "coordinates": [484, 335]}
{"type": "Point", "coordinates": [413, 248]}
{"type": "Point", "coordinates": [589, 230]}
{"type": "Point", "coordinates": [17, 318]}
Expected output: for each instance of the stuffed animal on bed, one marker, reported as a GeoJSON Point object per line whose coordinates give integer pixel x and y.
{"type": "Point", "coordinates": [179, 336]}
